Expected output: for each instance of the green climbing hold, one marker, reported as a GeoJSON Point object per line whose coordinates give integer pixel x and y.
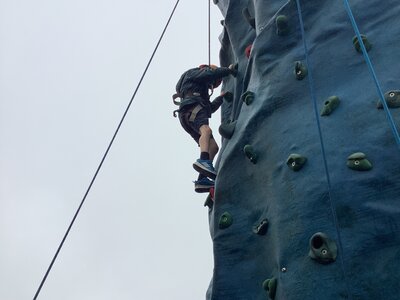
{"type": "Point", "coordinates": [270, 286]}
{"type": "Point", "coordinates": [296, 161]}
{"type": "Point", "coordinates": [225, 220]}
{"type": "Point", "coordinates": [392, 99]}
{"type": "Point", "coordinates": [262, 228]}
{"type": "Point", "coordinates": [330, 105]}
{"type": "Point", "coordinates": [322, 248]}
{"type": "Point", "coordinates": [282, 25]}
{"type": "Point", "coordinates": [366, 43]}
{"type": "Point", "coordinates": [358, 161]}
{"type": "Point", "coordinates": [300, 70]}
{"type": "Point", "coordinates": [250, 153]}
{"type": "Point", "coordinates": [248, 97]}
{"type": "Point", "coordinates": [226, 130]}
{"type": "Point", "coordinates": [228, 97]}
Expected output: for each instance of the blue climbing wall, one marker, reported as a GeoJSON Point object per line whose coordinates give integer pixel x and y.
{"type": "Point", "coordinates": [351, 227]}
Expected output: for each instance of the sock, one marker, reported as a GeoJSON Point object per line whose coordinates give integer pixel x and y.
{"type": "Point", "coordinates": [205, 156]}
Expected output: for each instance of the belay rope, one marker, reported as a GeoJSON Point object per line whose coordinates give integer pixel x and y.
{"type": "Point", "coordinates": [105, 154]}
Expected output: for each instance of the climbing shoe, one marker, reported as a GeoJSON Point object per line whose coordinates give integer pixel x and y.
{"type": "Point", "coordinates": [203, 185]}
{"type": "Point", "coordinates": [205, 167]}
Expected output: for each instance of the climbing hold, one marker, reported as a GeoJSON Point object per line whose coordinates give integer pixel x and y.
{"type": "Point", "coordinates": [248, 97]}
{"type": "Point", "coordinates": [247, 51]}
{"type": "Point", "coordinates": [249, 152]}
{"type": "Point", "coordinates": [330, 105]}
{"type": "Point", "coordinates": [358, 161]}
{"type": "Point", "coordinates": [322, 248]}
{"type": "Point", "coordinates": [282, 25]}
{"type": "Point", "coordinates": [262, 228]}
{"type": "Point", "coordinates": [270, 286]}
{"type": "Point", "coordinates": [215, 1]}
{"type": "Point", "coordinates": [222, 22]}
{"type": "Point", "coordinates": [249, 18]}
{"type": "Point", "coordinates": [226, 130]}
{"type": "Point", "coordinates": [209, 201]}
{"type": "Point", "coordinates": [296, 161]}
{"type": "Point", "coordinates": [366, 43]}
{"type": "Point", "coordinates": [228, 97]}
{"type": "Point", "coordinates": [225, 221]}
{"type": "Point", "coordinates": [392, 99]}
{"type": "Point", "coordinates": [300, 70]}
{"type": "Point", "coordinates": [283, 270]}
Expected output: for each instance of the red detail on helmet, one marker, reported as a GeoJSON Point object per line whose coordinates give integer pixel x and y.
{"type": "Point", "coordinates": [248, 50]}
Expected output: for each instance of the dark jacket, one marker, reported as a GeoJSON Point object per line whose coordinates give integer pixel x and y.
{"type": "Point", "coordinates": [194, 84]}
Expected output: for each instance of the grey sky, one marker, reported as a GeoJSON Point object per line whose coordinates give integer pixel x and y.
{"type": "Point", "coordinates": [67, 72]}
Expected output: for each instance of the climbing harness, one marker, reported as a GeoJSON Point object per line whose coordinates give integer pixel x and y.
{"type": "Point", "coordinates": [105, 154]}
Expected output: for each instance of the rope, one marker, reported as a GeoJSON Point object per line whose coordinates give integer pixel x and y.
{"type": "Point", "coordinates": [209, 32]}
{"type": "Point", "coordinates": [312, 93]}
{"type": "Point", "coordinates": [104, 156]}
{"type": "Point", "coordinates": [372, 71]}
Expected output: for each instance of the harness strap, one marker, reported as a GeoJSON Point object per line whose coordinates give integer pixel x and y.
{"type": "Point", "coordinates": [194, 113]}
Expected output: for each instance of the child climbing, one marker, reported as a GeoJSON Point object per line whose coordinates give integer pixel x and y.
{"type": "Point", "coordinates": [194, 111]}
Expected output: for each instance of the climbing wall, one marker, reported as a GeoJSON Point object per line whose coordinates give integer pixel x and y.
{"type": "Point", "coordinates": [298, 212]}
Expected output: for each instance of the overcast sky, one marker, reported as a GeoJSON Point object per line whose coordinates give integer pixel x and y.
{"type": "Point", "coordinates": [67, 72]}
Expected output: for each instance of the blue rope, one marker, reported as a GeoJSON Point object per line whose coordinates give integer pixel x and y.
{"type": "Point", "coordinates": [312, 93]}
{"type": "Point", "coordinates": [372, 71]}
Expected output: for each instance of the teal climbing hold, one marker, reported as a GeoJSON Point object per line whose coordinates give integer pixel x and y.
{"type": "Point", "coordinates": [282, 25]}
{"type": "Point", "coordinates": [250, 153]}
{"type": "Point", "coordinates": [251, 20]}
{"type": "Point", "coordinates": [225, 220]}
{"type": "Point", "coordinates": [358, 161]}
{"type": "Point", "coordinates": [270, 286]}
{"type": "Point", "coordinates": [322, 248]}
{"type": "Point", "coordinates": [330, 105]}
{"type": "Point", "coordinates": [392, 99]}
{"type": "Point", "coordinates": [226, 130]}
{"type": "Point", "coordinates": [262, 228]}
{"type": "Point", "coordinates": [248, 97]}
{"type": "Point", "coordinates": [366, 43]}
{"type": "Point", "coordinates": [296, 161]}
{"type": "Point", "coordinates": [228, 97]}
{"type": "Point", "coordinates": [300, 70]}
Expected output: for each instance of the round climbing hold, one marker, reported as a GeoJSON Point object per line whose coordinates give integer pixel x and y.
{"type": "Point", "coordinates": [228, 96]}
{"type": "Point", "coordinates": [225, 220]}
{"type": "Point", "coordinates": [270, 286]}
{"type": "Point", "coordinates": [322, 248]}
{"type": "Point", "coordinates": [248, 97]}
{"type": "Point", "coordinates": [392, 99]}
{"type": "Point", "coordinates": [300, 70]}
{"type": "Point", "coordinates": [282, 25]}
{"type": "Point", "coordinates": [215, 1]}
{"type": "Point", "coordinates": [283, 270]}
{"type": "Point", "coordinates": [330, 105]}
{"type": "Point", "coordinates": [250, 153]}
{"type": "Point", "coordinates": [247, 51]}
{"type": "Point", "coordinates": [262, 228]}
{"type": "Point", "coordinates": [365, 41]}
{"type": "Point", "coordinates": [296, 161]}
{"type": "Point", "coordinates": [358, 161]}
{"type": "Point", "coordinates": [226, 130]}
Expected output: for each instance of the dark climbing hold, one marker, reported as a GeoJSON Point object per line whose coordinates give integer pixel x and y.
{"type": "Point", "coordinates": [248, 97]}
{"type": "Point", "coordinates": [249, 152]}
{"type": "Point", "coordinates": [228, 97]}
{"type": "Point", "coordinates": [296, 161]}
{"type": "Point", "coordinates": [392, 99]}
{"type": "Point", "coordinates": [300, 70]}
{"type": "Point", "coordinates": [226, 130]}
{"type": "Point", "coordinates": [270, 286]}
{"type": "Point", "coordinates": [215, 1]}
{"type": "Point", "coordinates": [358, 161]}
{"type": "Point", "coordinates": [209, 202]}
{"type": "Point", "coordinates": [366, 43]}
{"type": "Point", "coordinates": [225, 221]}
{"type": "Point", "coordinates": [247, 51]}
{"type": "Point", "coordinates": [222, 22]}
{"type": "Point", "coordinates": [322, 248]}
{"type": "Point", "coordinates": [282, 25]}
{"type": "Point", "coordinates": [262, 228]}
{"type": "Point", "coordinates": [249, 18]}
{"type": "Point", "coordinates": [330, 105]}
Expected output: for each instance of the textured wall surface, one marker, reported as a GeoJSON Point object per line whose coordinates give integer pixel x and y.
{"type": "Point", "coordinates": [281, 121]}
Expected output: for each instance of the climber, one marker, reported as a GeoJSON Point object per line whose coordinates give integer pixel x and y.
{"type": "Point", "coordinates": [194, 111]}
